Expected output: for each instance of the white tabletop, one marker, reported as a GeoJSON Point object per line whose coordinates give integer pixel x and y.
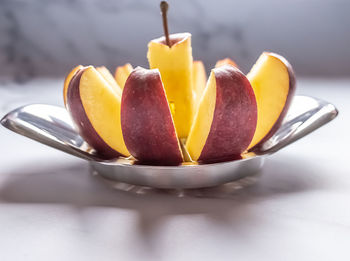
{"type": "Point", "coordinates": [52, 208]}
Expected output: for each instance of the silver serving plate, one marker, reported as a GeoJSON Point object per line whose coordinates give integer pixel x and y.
{"type": "Point", "coordinates": [51, 125]}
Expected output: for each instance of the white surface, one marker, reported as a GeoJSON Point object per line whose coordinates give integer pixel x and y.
{"type": "Point", "coordinates": [51, 208]}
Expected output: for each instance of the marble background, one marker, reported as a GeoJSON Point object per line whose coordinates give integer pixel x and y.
{"type": "Point", "coordinates": [47, 37]}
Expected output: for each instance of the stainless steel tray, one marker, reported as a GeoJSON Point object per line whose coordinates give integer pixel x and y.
{"type": "Point", "coordinates": [51, 125]}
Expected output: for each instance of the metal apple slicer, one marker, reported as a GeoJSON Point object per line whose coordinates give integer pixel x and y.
{"type": "Point", "coordinates": [51, 125]}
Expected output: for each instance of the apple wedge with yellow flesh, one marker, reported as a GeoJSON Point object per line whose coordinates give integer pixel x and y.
{"type": "Point", "coordinates": [106, 74]}
{"type": "Point", "coordinates": [225, 122]}
{"type": "Point", "coordinates": [67, 81]}
{"type": "Point", "coordinates": [224, 62]}
{"type": "Point", "coordinates": [95, 109]}
{"type": "Point", "coordinates": [175, 66]}
{"type": "Point", "coordinates": [273, 81]}
{"type": "Point", "coordinates": [199, 82]}
{"type": "Point", "coordinates": [122, 73]}
{"type": "Point", "coordinates": [148, 128]}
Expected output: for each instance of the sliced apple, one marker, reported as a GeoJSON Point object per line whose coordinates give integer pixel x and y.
{"type": "Point", "coordinates": [224, 62]}
{"type": "Point", "coordinates": [273, 81]}
{"type": "Point", "coordinates": [122, 73]}
{"type": "Point", "coordinates": [225, 122]}
{"type": "Point", "coordinates": [102, 70]}
{"type": "Point", "coordinates": [110, 79]}
{"type": "Point", "coordinates": [95, 109]}
{"type": "Point", "coordinates": [199, 82]}
{"type": "Point", "coordinates": [175, 66]}
{"type": "Point", "coordinates": [67, 81]}
{"type": "Point", "coordinates": [147, 124]}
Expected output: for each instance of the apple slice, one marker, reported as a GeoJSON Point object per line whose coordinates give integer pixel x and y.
{"type": "Point", "coordinates": [102, 70]}
{"type": "Point", "coordinates": [226, 118]}
{"type": "Point", "coordinates": [110, 79]}
{"type": "Point", "coordinates": [175, 66]}
{"type": "Point", "coordinates": [273, 81]}
{"type": "Point", "coordinates": [67, 81]}
{"type": "Point", "coordinates": [199, 82]}
{"type": "Point", "coordinates": [95, 109]}
{"type": "Point", "coordinates": [147, 124]}
{"type": "Point", "coordinates": [224, 62]}
{"type": "Point", "coordinates": [122, 73]}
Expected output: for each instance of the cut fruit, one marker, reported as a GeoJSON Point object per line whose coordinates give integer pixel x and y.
{"type": "Point", "coordinates": [122, 73]}
{"type": "Point", "coordinates": [175, 66]}
{"type": "Point", "coordinates": [225, 122]}
{"type": "Point", "coordinates": [106, 74]}
{"type": "Point", "coordinates": [225, 62]}
{"type": "Point", "coordinates": [147, 124]}
{"type": "Point", "coordinates": [199, 82]}
{"type": "Point", "coordinates": [67, 81]}
{"type": "Point", "coordinates": [273, 81]}
{"type": "Point", "coordinates": [95, 109]}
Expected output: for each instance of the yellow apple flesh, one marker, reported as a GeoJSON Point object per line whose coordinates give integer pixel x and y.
{"type": "Point", "coordinates": [273, 81]}
{"type": "Point", "coordinates": [67, 81]}
{"type": "Point", "coordinates": [122, 73]}
{"type": "Point", "coordinates": [199, 82]}
{"type": "Point", "coordinates": [175, 65]}
{"type": "Point", "coordinates": [224, 62]}
{"type": "Point", "coordinates": [106, 74]}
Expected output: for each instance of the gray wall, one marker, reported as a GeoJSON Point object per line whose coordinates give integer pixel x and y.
{"type": "Point", "coordinates": [46, 38]}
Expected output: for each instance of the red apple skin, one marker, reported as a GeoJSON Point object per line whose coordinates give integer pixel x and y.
{"type": "Point", "coordinates": [148, 129]}
{"type": "Point", "coordinates": [292, 88]}
{"type": "Point", "coordinates": [235, 117]}
{"type": "Point", "coordinates": [81, 121]}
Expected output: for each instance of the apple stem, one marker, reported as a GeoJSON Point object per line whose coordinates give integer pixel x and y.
{"type": "Point", "coordinates": [164, 9]}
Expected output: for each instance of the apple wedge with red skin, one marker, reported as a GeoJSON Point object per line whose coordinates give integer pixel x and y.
{"type": "Point", "coordinates": [67, 80]}
{"type": "Point", "coordinates": [94, 107]}
{"type": "Point", "coordinates": [226, 118]}
{"type": "Point", "coordinates": [147, 124]}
